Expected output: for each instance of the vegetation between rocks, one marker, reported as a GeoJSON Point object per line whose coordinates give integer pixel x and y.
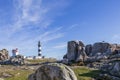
{"type": "Point", "coordinates": [82, 73]}
{"type": "Point", "coordinates": [85, 73]}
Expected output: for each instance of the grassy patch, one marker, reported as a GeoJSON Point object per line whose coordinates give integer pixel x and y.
{"type": "Point", "coordinates": [19, 75]}
{"type": "Point", "coordinates": [16, 73]}
{"type": "Point", "coordinates": [84, 73]}
{"type": "Point", "coordinates": [34, 61]}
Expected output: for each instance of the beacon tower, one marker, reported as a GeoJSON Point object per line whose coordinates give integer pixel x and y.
{"type": "Point", "coordinates": [15, 52]}
{"type": "Point", "coordinates": [39, 48]}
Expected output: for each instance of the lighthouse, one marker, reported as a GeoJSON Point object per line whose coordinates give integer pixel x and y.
{"type": "Point", "coordinates": [15, 52]}
{"type": "Point", "coordinates": [39, 48]}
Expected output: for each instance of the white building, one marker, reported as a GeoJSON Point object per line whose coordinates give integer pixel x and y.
{"type": "Point", "coordinates": [15, 52]}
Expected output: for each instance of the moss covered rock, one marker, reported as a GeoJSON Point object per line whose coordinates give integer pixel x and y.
{"type": "Point", "coordinates": [53, 71]}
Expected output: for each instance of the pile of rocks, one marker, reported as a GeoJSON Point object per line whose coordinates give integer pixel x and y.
{"type": "Point", "coordinates": [101, 55]}
{"type": "Point", "coordinates": [75, 52]}
{"type": "Point", "coordinates": [4, 55]}
{"type": "Point", "coordinates": [17, 60]}
{"type": "Point", "coordinates": [112, 67]}
{"type": "Point", "coordinates": [6, 59]}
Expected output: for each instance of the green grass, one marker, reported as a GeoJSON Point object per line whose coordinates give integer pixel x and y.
{"type": "Point", "coordinates": [19, 75]}
{"type": "Point", "coordinates": [16, 73]}
{"type": "Point", "coordinates": [84, 73]}
{"type": "Point", "coordinates": [34, 61]}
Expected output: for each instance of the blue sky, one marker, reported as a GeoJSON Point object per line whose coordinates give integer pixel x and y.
{"type": "Point", "coordinates": [55, 22]}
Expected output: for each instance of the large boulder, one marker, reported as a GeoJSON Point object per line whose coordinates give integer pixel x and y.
{"type": "Point", "coordinates": [104, 47]}
{"type": "Point", "coordinates": [81, 54]}
{"type": "Point", "coordinates": [75, 51]}
{"type": "Point", "coordinates": [72, 49]}
{"type": "Point", "coordinates": [115, 48]}
{"type": "Point", "coordinates": [115, 69]}
{"type": "Point", "coordinates": [4, 55]}
{"type": "Point", "coordinates": [112, 69]}
{"type": "Point", "coordinates": [88, 49]}
{"type": "Point", "coordinates": [100, 47]}
{"type": "Point", "coordinates": [53, 71]}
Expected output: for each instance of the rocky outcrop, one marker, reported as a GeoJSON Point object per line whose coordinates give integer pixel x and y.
{"type": "Point", "coordinates": [5, 59]}
{"type": "Point", "coordinates": [53, 71]}
{"type": "Point", "coordinates": [103, 48]}
{"type": "Point", "coordinates": [4, 54]}
{"type": "Point", "coordinates": [112, 69]}
{"type": "Point", "coordinates": [107, 77]}
{"type": "Point", "coordinates": [17, 60]}
{"type": "Point", "coordinates": [100, 47]}
{"type": "Point", "coordinates": [101, 55]}
{"type": "Point", "coordinates": [73, 48]}
{"type": "Point", "coordinates": [81, 54]}
{"type": "Point", "coordinates": [88, 49]}
{"type": "Point", "coordinates": [102, 51]}
{"type": "Point", "coordinates": [75, 51]}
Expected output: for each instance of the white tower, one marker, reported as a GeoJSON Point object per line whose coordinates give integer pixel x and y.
{"type": "Point", "coordinates": [39, 49]}
{"type": "Point", "coordinates": [15, 52]}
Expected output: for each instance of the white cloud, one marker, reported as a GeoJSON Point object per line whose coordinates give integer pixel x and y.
{"type": "Point", "coordinates": [26, 44]}
{"type": "Point", "coordinates": [60, 46]}
{"type": "Point", "coordinates": [115, 38]}
{"type": "Point", "coordinates": [29, 12]}
{"type": "Point", "coordinates": [31, 21]}
{"type": "Point", "coordinates": [32, 12]}
{"type": "Point", "coordinates": [49, 38]}
{"type": "Point", "coordinates": [73, 26]}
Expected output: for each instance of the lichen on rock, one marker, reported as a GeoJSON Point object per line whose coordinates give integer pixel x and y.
{"type": "Point", "coordinates": [53, 71]}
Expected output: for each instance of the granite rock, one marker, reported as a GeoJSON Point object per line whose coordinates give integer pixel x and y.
{"type": "Point", "coordinates": [53, 71]}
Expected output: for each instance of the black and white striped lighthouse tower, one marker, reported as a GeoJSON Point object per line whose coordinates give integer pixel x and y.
{"type": "Point", "coordinates": [39, 48]}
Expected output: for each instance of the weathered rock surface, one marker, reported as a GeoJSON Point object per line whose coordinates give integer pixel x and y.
{"type": "Point", "coordinates": [53, 71]}
{"type": "Point", "coordinates": [100, 47]}
{"type": "Point", "coordinates": [107, 77]}
{"type": "Point", "coordinates": [88, 49]}
{"type": "Point", "coordinates": [105, 48]}
{"type": "Point", "coordinates": [81, 54]}
{"type": "Point", "coordinates": [75, 51]}
{"type": "Point", "coordinates": [4, 54]}
{"type": "Point", "coordinates": [72, 50]}
{"type": "Point", "coordinates": [112, 69]}
{"type": "Point", "coordinates": [100, 55]}
{"type": "Point", "coordinates": [5, 59]}
{"type": "Point", "coordinates": [17, 60]}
